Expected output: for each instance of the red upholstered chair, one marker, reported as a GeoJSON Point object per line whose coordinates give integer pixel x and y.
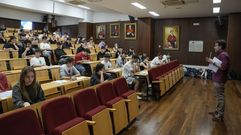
{"type": "Point", "coordinates": [20, 122]}
{"type": "Point", "coordinates": [108, 97]}
{"type": "Point", "coordinates": [59, 118]}
{"type": "Point", "coordinates": [122, 90]}
{"type": "Point", "coordinates": [4, 86]}
{"type": "Point", "coordinates": [88, 106]}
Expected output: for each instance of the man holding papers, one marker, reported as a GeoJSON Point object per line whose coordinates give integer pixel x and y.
{"type": "Point", "coordinates": [220, 66]}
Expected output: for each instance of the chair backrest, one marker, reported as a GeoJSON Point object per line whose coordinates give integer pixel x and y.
{"type": "Point", "coordinates": [20, 122]}
{"type": "Point", "coordinates": [3, 82]}
{"type": "Point", "coordinates": [85, 100]}
{"type": "Point", "coordinates": [120, 86]}
{"type": "Point", "coordinates": [105, 92]}
{"type": "Point", "coordinates": [56, 112]}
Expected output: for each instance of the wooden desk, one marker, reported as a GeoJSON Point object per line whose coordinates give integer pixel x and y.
{"type": "Point", "coordinates": [4, 99]}
{"type": "Point", "coordinates": [42, 74]}
{"type": "Point", "coordinates": [13, 76]}
{"type": "Point", "coordinates": [144, 75]}
{"type": "Point", "coordinates": [116, 71]}
{"type": "Point", "coordinates": [65, 86]}
{"type": "Point", "coordinates": [17, 63]}
{"type": "Point", "coordinates": [4, 54]}
{"type": "Point", "coordinates": [3, 65]}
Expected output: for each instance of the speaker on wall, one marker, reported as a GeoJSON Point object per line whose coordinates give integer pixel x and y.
{"type": "Point", "coordinates": [45, 18]}
{"type": "Point", "coordinates": [131, 18]}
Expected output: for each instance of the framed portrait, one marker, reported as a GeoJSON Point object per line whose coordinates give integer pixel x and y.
{"type": "Point", "coordinates": [171, 37]}
{"type": "Point", "coordinates": [115, 30]}
{"type": "Point", "coordinates": [100, 31]}
{"type": "Point", "coordinates": [130, 31]}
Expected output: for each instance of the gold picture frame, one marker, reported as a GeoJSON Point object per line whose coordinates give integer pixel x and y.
{"type": "Point", "coordinates": [115, 30]}
{"type": "Point", "coordinates": [100, 31]}
{"type": "Point", "coordinates": [130, 31]}
{"type": "Point", "coordinates": [171, 37]}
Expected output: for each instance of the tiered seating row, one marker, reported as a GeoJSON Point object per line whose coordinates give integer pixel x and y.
{"type": "Point", "coordinates": [106, 111]}
{"type": "Point", "coordinates": [165, 76]}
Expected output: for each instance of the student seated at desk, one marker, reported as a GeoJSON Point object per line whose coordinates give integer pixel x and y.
{"type": "Point", "coordinates": [3, 82]}
{"type": "Point", "coordinates": [27, 91]}
{"type": "Point", "coordinates": [102, 52]}
{"type": "Point", "coordinates": [82, 56]}
{"type": "Point", "coordinates": [68, 71]}
{"type": "Point", "coordinates": [145, 64]}
{"type": "Point", "coordinates": [156, 61]}
{"type": "Point", "coordinates": [121, 60]}
{"type": "Point", "coordinates": [129, 69]}
{"type": "Point", "coordinates": [46, 49]}
{"type": "Point", "coordinates": [37, 61]}
{"type": "Point", "coordinates": [28, 52]}
{"type": "Point", "coordinates": [106, 61]}
{"type": "Point", "coordinates": [67, 44]}
{"type": "Point", "coordinates": [99, 76]}
{"type": "Point", "coordinates": [11, 45]}
{"type": "Point", "coordinates": [59, 52]}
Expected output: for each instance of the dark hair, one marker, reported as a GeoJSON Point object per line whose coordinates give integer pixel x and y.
{"type": "Point", "coordinates": [221, 43]}
{"type": "Point", "coordinates": [27, 41]}
{"type": "Point", "coordinates": [37, 50]}
{"type": "Point", "coordinates": [107, 55]}
{"type": "Point", "coordinates": [11, 38]}
{"type": "Point", "coordinates": [98, 67]}
{"type": "Point", "coordinates": [59, 43]}
{"type": "Point", "coordinates": [44, 37]}
{"type": "Point", "coordinates": [135, 56]}
{"type": "Point", "coordinates": [68, 60]}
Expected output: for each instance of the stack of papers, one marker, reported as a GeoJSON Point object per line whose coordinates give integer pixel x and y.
{"type": "Point", "coordinates": [212, 67]}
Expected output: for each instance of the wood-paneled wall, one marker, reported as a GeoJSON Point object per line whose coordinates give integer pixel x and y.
{"type": "Point", "coordinates": [145, 36]}
{"type": "Point", "coordinates": [124, 43]}
{"type": "Point", "coordinates": [207, 31]}
{"type": "Point", "coordinates": [234, 44]}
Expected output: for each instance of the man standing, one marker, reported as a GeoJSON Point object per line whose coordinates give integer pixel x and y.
{"type": "Point", "coordinates": [219, 78]}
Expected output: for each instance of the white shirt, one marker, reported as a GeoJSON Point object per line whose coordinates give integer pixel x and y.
{"type": "Point", "coordinates": [128, 69]}
{"type": "Point", "coordinates": [107, 64]}
{"type": "Point", "coordinates": [165, 59]}
{"type": "Point", "coordinates": [44, 46]}
{"type": "Point", "coordinates": [120, 62]}
{"type": "Point", "coordinates": [37, 61]}
{"type": "Point", "coordinates": [155, 62]}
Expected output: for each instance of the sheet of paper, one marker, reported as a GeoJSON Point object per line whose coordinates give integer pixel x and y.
{"type": "Point", "coordinates": [213, 67]}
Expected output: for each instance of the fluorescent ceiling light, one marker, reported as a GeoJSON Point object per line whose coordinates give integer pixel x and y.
{"type": "Point", "coordinates": [216, 10]}
{"type": "Point", "coordinates": [138, 5]}
{"type": "Point", "coordinates": [153, 13]}
{"type": "Point", "coordinates": [61, 0]}
{"type": "Point", "coordinates": [83, 7]}
{"type": "Point", "coordinates": [216, 1]}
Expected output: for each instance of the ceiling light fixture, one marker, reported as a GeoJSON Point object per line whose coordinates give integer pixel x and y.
{"type": "Point", "coordinates": [216, 1]}
{"type": "Point", "coordinates": [153, 13]}
{"type": "Point", "coordinates": [61, 0]}
{"type": "Point", "coordinates": [138, 5]}
{"type": "Point", "coordinates": [81, 6]}
{"type": "Point", "coordinates": [216, 10]}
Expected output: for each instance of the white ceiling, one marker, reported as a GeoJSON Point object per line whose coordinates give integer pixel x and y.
{"type": "Point", "coordinates": [200, 9]}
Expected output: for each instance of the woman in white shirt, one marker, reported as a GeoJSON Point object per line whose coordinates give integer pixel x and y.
{"type": "Point", "coordinates": [37, 61]}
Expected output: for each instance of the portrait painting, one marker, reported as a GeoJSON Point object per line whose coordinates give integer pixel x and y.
{"type": "Point", "coordinates": [130, 31]}
{"type": "Point", "coordinates": [115, 30]}
{"type": "Point", "coordinates": [100, 31]}
{"type": "Point", "coordinates": [171, 37]}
